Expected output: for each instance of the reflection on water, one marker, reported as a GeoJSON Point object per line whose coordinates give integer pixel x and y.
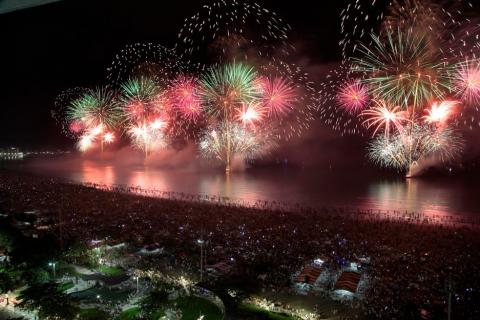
{"type": "Point", "coordinates": [310, 188]}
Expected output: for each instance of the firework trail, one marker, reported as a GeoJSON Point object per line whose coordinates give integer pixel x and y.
{"type": "Point", "coordinates": [59, 112]}
{"type": "Point", "coordinates": [144, 59]}
{"type": "Point", "coordinates": [224, 31]}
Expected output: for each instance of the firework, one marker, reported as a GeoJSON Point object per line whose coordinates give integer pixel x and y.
{"type": "Point", "coordinates": [409, 61]}
{"type": "Point", "coordinates": [233, 30]}
{"type": "Point", "coordinates": [108, 137]}
{"type": "Point", "coordinates": [228, 140]}
{"type": "Point", "coordinates": [144, 60]}
{"type": "Point", "coordinates": [407, 148]}
{"type": "Point", "coordinates": [278, 95]}
{"type": "Point", "coordinates": [185, 96]}
{"type": "Point", "coordinates": [95, 108]}
{"type": "Point", "coordinates": [148, 137]}
{"type": "Point", "coordinates": [384, 116]}
{"type": "Point", "coordinates": [93, 113]}
{"type": "Point", "coordinates": [439, 113]}
{"type": "Point", "coordinates": [402, 69]}
{"type": "Point", "coordinates": [146, 110]}
{"type": "Point", "coordinates": [467, 81]}
{"type": "Point", "coordinates": [71, 129]}
{"type": "Point", "coordinates": [227, 88]}
{"type": "Point", "coordinates": [352, 96]}
{"type": "Point", "coordinates": [138, 99]}
{"type": "Point", "coordinates": [250, 113]}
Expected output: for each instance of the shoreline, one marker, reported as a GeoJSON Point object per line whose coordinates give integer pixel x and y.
{"type": "Point", "coordinates": [469, 220]}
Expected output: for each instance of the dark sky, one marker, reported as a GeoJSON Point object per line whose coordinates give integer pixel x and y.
{"type": "Point", "coordinates": [50, 48]}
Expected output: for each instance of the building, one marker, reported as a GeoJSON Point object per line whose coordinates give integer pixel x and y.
{"type": "Point", "coordinates": [11, 154]}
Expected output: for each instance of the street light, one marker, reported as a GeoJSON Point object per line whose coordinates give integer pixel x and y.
{"type": "Point", "coordinates": [136, 278]}
{"type": "Point", "coordinates": [53, 265]}
{"type": "Point", "coordinates": [201, 242]}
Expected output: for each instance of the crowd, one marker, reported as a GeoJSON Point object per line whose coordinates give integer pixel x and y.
{"type": "Point", "coordinates": [414, 263]}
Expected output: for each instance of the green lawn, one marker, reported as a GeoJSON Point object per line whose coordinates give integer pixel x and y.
{"type": "Point", "coordinates": [66, 270]}
{"type": "Point", "coordinates": [66, 285]}
{"type": "Point", "coordinates": [252, 310]}
{"type": "Point", "coordinates": [104, 293]}
{"type": "Point", "coordinates": [193, 307]}
{"type": "Point", "coordinates": [93, 314]}
{"type": "Point", "coordinates": [128, 314]}
{"type": "Point", "coordinates": [158, 314]}
{"type": "Point", "coordinates": [110, 271]}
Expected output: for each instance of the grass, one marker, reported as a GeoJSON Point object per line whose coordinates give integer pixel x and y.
{"type": "Point", "coordinates": [193, 307]}
{"type": "Point", "coordinates": [128, 314]}
{"type": "Point", "coordinates": [110, 271]}
{"type": "Point", "coordinates": [93, 314]}
{"type": "Point", "coordinates": [158, 314]}
{"type": "Point", "coordinates": [252, 310]}
{"type": "Point", "coordinates": [66, 285]}
{"type": "Point", "coordinates": [105, 294]}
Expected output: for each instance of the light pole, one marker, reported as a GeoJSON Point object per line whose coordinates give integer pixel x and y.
{"type": "Point", "coordinates": [450, 288]}
{"type": "Point", "coordinates": [136, 278]}
{"type": "Point", "coordinates": [53, 264]}
{"type": "Point", "coordinates": [201, 243]}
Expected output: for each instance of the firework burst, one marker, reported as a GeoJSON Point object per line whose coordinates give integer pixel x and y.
{"type": "Point", "coordinates": [92, 115]}
{"type": "Point", "coordinates": [467, 81]}
{"type": "Point", "coordinates": [440, 113]}
{"type": "Point", "coordinates": [402, 69]}
{"type": "Point", "coordinates": [229, 30]}
{"type": "Point", "coordinates": [228, 140]}
{"type": "Point", "coordinates": [184, 94]}
{"type": "Point", "coordinates": [352, 96]}
{"type": "Point", "coordinates": [278, 95]}
{"type": "Point", "coordinates": [147, 112]}
{"type": "Point", "coordinates": [228, 87]}
{"type": "Point", "coordinates": [384, 116]}
{"type": "Point", "coordinates": [407, 148]}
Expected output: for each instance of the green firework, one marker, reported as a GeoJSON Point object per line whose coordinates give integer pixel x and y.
{"type": "Point", "coordinates": [97, 107]}
{"type": "Point", "coordinates": [403, 68]}
{"type": "Point", "coordinates": [226, 87]}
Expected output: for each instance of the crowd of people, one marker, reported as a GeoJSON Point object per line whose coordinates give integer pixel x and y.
{"type": "Point", "coordinates": [414, 262]}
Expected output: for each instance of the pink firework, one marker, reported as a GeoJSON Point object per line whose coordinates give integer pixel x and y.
{"type": "Point", "coordinates": [76, 127]}
{"type": "Point", "coordinates": [138, 110]}
{"type": "Point", "coordinates": [439, 113]}
{"type": "Point", "coordinates": [352, 96]}
{"type": "Point", "coordinates": [382, 115]}
{"type": "Point", "coordinates": [278, 95]}
{"type": "Point", "coordinates": [185, 97]}
{"type": "Point", "coordinates": [467, 81]}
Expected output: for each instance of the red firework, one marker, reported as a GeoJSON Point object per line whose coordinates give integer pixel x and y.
{"type": "Point", "coordinates": [184, 95]}
{"type": "Point", "coordinates": [278, 95]}
{"type": "Point", "coordinates": [352, 96]}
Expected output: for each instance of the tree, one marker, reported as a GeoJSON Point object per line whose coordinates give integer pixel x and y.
{"type": "Point", "coordinates": [7, 279]}
{"type": "Point", "coordinates": [49, 301]}
{"type": "Point", "coordinates": [154, 301]}
{"type": "Point", "coordinates": [36, 275]}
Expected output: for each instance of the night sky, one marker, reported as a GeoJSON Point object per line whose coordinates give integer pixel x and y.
{"type": "Point", "coordinates": [53, 47]}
